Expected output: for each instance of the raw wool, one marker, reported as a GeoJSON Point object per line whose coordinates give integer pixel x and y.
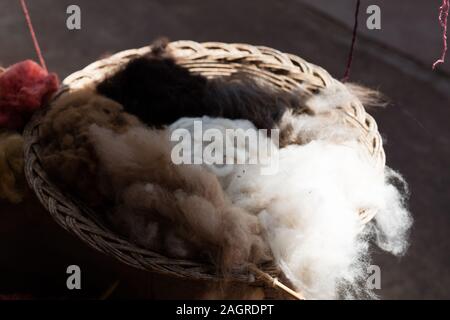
{"type": "Point", "coordinates": [151, 86]}
{"type": "Point", "coordinates": [334, 96]}
{"type": "Point", "coordinates": [24, 88]}
{"type": "Point", "coordinates": [236, 143]}
{"type": "Point", "coordinates": [170, 205]}
{"type": "Point", "coordinates": [243, 96]}
{"type": "Point", "coordinates": [67, 155]}
{"type": "Point", "coordinates": [391, 229]}
{"type": "Point", "coordinates": [326, 118]}
{"type": "Point", "coordinates": [367, 96]}
{"type": "Point", "coordinates": [338, 95]}
{"type": "Point", "coordinates": [309, 211]}
{"type": "Point", "coordinates": [304, 128]}
{"type": "Point", "coordinates": [12, 179]}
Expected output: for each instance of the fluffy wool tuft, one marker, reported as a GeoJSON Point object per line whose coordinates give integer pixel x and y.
{"type": "Point", "coordinates": [24, 87]}
{"type": "Point", "coordinates": [309, 211]}
{"type": "Point", "coordinates": [368, 97]}
{"type": "Point", "coordinates": [12, 179]}
{"type": "Point", "coordinates": [68, 155]}
{"type": "Point", "coordinates": [175, 207]}
{"type": "Point", "coordinates": [325, 118]}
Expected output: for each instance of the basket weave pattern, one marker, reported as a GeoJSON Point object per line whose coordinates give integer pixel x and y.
{"type": "Point", "coordinates": [211, 60]}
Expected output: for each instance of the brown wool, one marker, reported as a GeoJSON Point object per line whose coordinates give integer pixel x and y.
{"type": "Point", "coordinates": [12, 179]}
{"type": "Point", "coordinates": [68, 155]}
{"type": "Point", "coordinates": [184, 199]}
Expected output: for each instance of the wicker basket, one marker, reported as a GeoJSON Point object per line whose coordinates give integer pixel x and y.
{"type": "Point", "coordinates": [211, 59]}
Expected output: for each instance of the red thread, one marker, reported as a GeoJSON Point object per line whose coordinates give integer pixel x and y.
{"type": "Point", "coordinates": [33, 34]}
{"type": "Point", "coordinates": [352, 47]}
{"type": "Point", "coordinates": [443, 16]}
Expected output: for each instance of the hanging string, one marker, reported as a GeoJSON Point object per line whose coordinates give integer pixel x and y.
{"type": "Point", "coordinates": [443, 16]}
{"type": "Point", "coordinates": [33, 34]}
{"type": "Point", "coordinates": [352, 47]}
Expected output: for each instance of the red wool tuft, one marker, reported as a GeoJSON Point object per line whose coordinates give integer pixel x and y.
{"type": "Point", "coordinates": [24, 88]}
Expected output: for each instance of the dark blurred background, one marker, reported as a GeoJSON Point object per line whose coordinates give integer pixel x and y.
{"type": "Point", "coordinates": [35, 252]}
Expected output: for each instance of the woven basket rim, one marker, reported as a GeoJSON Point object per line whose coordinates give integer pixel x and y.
{"type": "Point", "coordinates": [209, 59]}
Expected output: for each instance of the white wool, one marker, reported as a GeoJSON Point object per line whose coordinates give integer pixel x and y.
{"type": "Point", "coordinates": [330, 126]}
{"type": "Point", "coordinates": [310, 213]}
{"type": "Point", "coordinates": [336, 95]}
{"type": "Point", "coordinates": [326, 119]}
{"type": "Point", "coordinates": [309, 208]}
{"type": "Point", "coordinates": [393, 220]}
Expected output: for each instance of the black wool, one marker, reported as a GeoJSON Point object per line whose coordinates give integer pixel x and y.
{"type": "Point", "coordinates": [159, 91]}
